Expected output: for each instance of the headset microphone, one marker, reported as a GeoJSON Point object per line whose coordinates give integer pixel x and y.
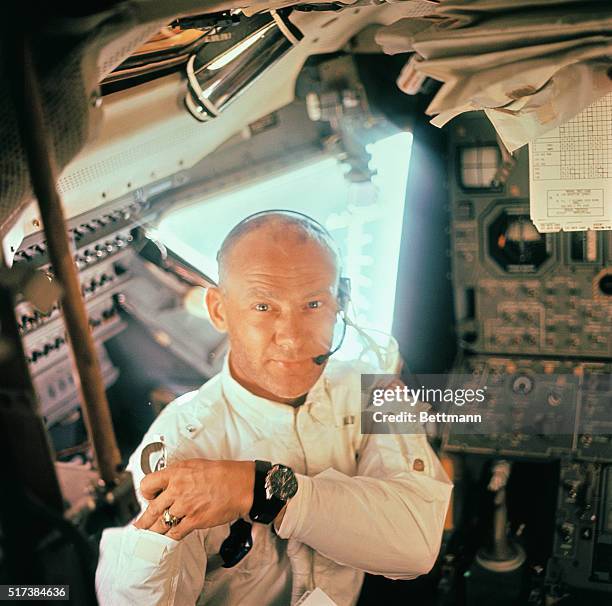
{"type": "Point", "coordinates": [322, 358]}
{"type": "Point", "coordinates": [344, 296]}
{"type": "Point", "coordinates": [318, 360]}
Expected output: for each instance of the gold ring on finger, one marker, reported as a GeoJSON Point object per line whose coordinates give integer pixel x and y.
{"type": "Point", "coordinates": [170, 520]}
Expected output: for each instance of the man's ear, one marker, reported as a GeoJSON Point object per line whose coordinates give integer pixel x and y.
{"type": "Point", "coordinates": [216, 308]}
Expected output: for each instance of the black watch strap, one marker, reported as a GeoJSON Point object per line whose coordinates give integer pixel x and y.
{"type": "Point", "coordinates": [264, 510]}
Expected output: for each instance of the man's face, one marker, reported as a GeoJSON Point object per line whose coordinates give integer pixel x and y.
{"type": "Point", "coordinates": [278, 305]}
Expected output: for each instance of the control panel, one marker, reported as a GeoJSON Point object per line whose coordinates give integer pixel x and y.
{"type": "Point", "coordinates": [534, 408]}
{"type": "Point", "coordinates": [582, 549]}
{"type": "Point", "coordinates": [517, 290]}
{"type": "Point", "coordinates": [104, 248]}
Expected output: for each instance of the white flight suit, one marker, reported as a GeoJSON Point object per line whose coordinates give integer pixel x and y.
{"type": "Point", "coordinates": [373, 503]}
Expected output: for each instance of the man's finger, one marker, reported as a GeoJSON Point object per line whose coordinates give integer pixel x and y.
{"type": "Point", "coordinates": [181, 530]}
{"type": "Point", "coordinates": [154, 511]}
{"type": "Point", "coordinates": [159, 526]}
{"type": "Point", "coordinates": [153, 483]}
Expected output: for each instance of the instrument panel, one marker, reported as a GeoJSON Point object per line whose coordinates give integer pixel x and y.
{"type": "Point", "coordinates": [534, 408]}
{"type": "Point", "coordinates": [516, 290]}
{"type": "Point", "coordinates": [582, 546]}
{"type": "Point", "coordinates": [104, 248]}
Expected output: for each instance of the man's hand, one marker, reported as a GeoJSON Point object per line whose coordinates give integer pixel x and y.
{"type": "Point", "coordinates": [202, 493]}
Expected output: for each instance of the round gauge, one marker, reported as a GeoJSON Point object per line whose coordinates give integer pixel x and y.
{"type": "Point", "coordinates": [515, 244]}
{"type": "Point", "coordinates": [522, 384]}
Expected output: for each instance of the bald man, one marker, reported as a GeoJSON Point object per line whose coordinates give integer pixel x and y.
{"type": "Point", "coordinates": [269, 488]}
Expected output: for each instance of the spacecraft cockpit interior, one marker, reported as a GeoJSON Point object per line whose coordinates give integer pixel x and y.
{"type": "Point", "coordinates": [456, 152]}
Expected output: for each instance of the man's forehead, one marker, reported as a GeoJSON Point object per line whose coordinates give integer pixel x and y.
{"type": "Point", "coordinates": [275, 292]}
{"type": "Point", "coordinates": [286, 254]}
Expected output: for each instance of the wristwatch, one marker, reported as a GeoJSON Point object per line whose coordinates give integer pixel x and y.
{"type": "Point", "coordinates": [274, 486]}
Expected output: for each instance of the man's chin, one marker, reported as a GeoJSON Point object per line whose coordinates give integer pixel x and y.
{"type": "Point", "coordinates": [288, 389]}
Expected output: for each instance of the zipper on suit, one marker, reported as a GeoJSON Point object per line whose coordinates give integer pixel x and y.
{"type": "Point", "coordinates": [299, 439]}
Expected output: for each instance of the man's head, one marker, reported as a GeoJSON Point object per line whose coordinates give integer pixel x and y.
{"type": "Point", "coordinates": [277, 300]}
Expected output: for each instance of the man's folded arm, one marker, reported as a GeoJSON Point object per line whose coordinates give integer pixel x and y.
{"type": "Point", "coordinates": [143, 567]}
{"type": "Point", "coordinates": [388, 519]}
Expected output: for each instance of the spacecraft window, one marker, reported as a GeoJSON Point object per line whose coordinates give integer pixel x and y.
{"type": "Point", "coordinates": [365, 219]}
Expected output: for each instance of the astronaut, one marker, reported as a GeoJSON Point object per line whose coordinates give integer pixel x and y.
{"type": "Point", "coordinates": [268, 488]}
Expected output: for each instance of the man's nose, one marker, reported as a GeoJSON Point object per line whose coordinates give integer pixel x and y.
{"type": "Point", "coordinates": [289, 333]}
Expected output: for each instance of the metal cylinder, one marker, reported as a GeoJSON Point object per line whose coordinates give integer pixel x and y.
{"type": "Point", "coordinates": [213, 86]}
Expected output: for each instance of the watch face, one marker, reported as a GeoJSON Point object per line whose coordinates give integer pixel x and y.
{"type": "Point", "coordinates": [283, 483]}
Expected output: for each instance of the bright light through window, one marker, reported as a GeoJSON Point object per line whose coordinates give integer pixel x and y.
{"type": "Point", "coordinates": [364, 219]}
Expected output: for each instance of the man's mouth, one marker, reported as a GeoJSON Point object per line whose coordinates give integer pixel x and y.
{"type": "Point", "coordinates": [290, 363]}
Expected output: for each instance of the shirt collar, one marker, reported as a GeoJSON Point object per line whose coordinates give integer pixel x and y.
{"type": "Point", "coordinates": [262, 412]}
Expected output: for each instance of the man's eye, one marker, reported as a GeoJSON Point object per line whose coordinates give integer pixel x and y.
{"type": "Point", "coordinates": [314, 304]}
{"type": "Point", "coordinates": [262, 307]}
